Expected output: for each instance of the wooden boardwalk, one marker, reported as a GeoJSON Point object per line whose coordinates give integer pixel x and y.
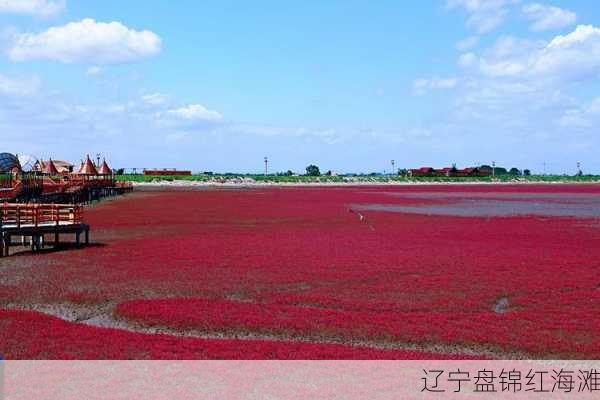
{"type": "Point", "coordinates": [66, 188]}
{"type": "Point", "coordinates": [32, 222]}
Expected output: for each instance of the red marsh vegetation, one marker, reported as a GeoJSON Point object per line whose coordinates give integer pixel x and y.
{"type": "Point", "coordinates": [348, 272]}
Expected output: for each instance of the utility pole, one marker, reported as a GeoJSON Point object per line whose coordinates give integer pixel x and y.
{"type": "Point", "coordinates": [579, 172]}
{"type": "Point", "coordinates": [493, 169]}
{"type": "Point", "coordinates": [393, 167]}
{"type": "Point", "coordinates": [544, 168]}
{"type": "Point", "coordinates": [98, 159]}
{"type": "Point", "coordinates": [266, 166]}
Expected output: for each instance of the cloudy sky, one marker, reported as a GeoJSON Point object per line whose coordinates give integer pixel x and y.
{"type": "Point", "coordinates": [349, 85]}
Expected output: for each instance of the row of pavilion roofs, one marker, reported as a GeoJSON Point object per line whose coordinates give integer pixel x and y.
{"type": "Point", "coordinates": [87, 167]}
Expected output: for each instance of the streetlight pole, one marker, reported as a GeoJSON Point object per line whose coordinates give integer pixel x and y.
{"type": "Point", "coordinates": [393, 167]}
{"type": "Point", "coordinates": [266, 166]}
{"type": "Point", "coordinates": [493, 169]}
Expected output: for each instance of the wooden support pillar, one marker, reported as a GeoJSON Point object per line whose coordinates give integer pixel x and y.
{"type": "Point", "coordinates": [87, 236]}
{"type": "Point", "coordinates": [78, 238]}
{"type": "Point", "coordinates": [37, 242]}
{"type": "Point", "coordinates": [56, 238]}
{"type": "Point", "coordinates": [6, 239]}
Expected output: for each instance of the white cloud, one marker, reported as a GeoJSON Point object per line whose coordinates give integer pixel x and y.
{"type": "Point", "coordinates": [586, 116]}
{"type": "Point", "coordinates": [195, 112]}
{"type": "Point", "coordinates": [177, 136]}
{"type": "Point", "coordinates": [467, 60]}
{"type": "Point", "coordinates": [565, 58]}
{"type": "Point", "coordinates": [93, 71]}
{"type": "Point", "coordinates": [54, 123]}
{"type": "Point", "coordinates": [324, 135]}
{"type": "Point", "coordinates": [155, 99]}
{"type": "Point", "coordinates": [41, 8]}
{"type": "Point", "coordinates": [422, 86]}
{"type": "Point", "coordinates": [580, 35]}
{"type": "Point", "coordinates": [545, 18]}
{"type": "Point", "coordinates": [19, 86]}
{"type": "Point", "coordinates": [484, 15]}
{"type": "Point", "coordinates": [467, 43]}
{"type": "Point", "coordinates": [86, 41]}
{"type": "Point", "coordinates": [528, 89]}
{"type": "Point", "coordinates": [504, 57]}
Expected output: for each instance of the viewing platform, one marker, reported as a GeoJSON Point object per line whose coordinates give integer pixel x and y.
{"type": "Point", "coordinates": [35, 221]}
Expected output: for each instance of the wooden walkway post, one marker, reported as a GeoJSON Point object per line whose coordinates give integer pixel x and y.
{"type": "Point", "coordinates": [2, 244]}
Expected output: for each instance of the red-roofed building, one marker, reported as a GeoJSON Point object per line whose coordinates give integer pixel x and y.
{"type": "Point", "coordinates": [63, 167]}
{"type": "Point", "coordinates": [473, 171]}
{"type": "Point", "coordinates": [167, 172]}
{"type": "Point", "coordinates": [424, 171]}
{"type": "Point", "coordinates": [450, 171]}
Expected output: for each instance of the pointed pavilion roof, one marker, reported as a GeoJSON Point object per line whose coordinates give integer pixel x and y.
{"type": "Point", "coordinates": [50, 168]}
{"type": "Point", "coordinates": [87, 168]}
{"type": "Point", "coordinates": [105, 169]}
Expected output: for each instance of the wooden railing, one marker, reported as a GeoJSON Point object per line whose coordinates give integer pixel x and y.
{"type": "Point", "coordinates": [18, 215]}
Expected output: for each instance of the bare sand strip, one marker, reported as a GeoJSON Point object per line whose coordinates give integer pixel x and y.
{"type": "Point", "coordinates": [102, 316]}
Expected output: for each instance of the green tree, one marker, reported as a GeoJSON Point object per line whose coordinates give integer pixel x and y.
{"type": "Point", "coordinates": [514, 172]}
{"type": "Point", "coordinates": [527, 172]}
{"type": "Point", "coordinates": [313, 170]}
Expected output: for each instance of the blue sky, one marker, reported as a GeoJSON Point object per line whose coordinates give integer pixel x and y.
{"type": "Point", "coordinates": [348, 85]}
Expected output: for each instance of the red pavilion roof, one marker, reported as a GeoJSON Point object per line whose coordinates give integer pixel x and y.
{"type": "Point", "coordinates": [50, 168]}
{"type": "Point", "coordinates": [105, 169]}
{"type": "Point", "coordinates": [88, 167]}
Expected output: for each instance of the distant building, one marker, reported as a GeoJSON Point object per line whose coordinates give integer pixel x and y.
{"type": "Point", "coordinates": [472, 171]}
{"type": "Point", "coordinates": [63, 167]}
{"type": "Point", "coordinates": [168, 172]}
{"type": "Point", "coordinates": [424, 171]}
{"type": "Point", "coordinates": [486, 170]}
{"type": "Point", "coordinates": [449, 172]}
